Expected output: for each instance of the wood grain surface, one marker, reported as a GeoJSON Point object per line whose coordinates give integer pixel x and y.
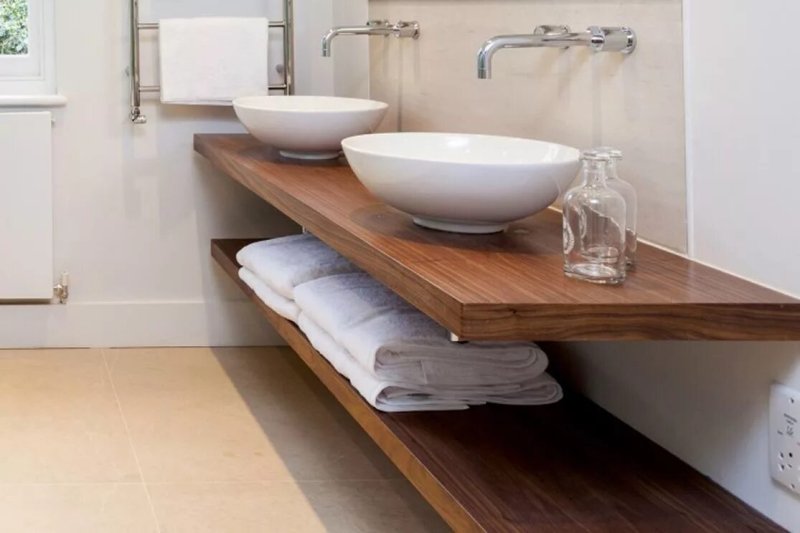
{"type": "Point", "coordinates": [559, 468]}
{"type": "Point", "coordinates": [509, 285]}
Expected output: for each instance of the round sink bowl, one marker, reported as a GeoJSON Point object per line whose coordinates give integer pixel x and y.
{"type": "Point", "coordinates": [308, 127]}
{"type": "Point", "coordinates": [462, 183]}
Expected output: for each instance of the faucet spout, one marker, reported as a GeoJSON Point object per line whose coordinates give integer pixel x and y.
{"type": "Point", "coordinates": [373, 27]}
{"type": "Point", "coordinates": [548, 36]}
{"type": "Point", "coordinates": [599, 39]}
{"type": "Point", "coordinates": [500, 42]}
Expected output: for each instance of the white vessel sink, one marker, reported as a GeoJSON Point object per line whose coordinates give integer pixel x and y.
{"type": "Point", "coordinates": [462, 183]}
{"type": "Point", "coordinates": [308, 127]}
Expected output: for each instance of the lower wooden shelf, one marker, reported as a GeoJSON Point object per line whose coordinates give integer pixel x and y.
{"type": "Point", "coordinates": [566, 467]}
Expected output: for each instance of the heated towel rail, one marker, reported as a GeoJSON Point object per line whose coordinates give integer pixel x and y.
{"type": "Point", "coordinates": [287, 25]}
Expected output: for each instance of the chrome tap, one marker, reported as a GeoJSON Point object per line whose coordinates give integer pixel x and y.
{"type": "Point", "coordinates": [599, 39]}
{"type": "Point", "coordinates": [373, 27]}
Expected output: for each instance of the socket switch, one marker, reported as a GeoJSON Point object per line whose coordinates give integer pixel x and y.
{"type": "Point", "coordinates": [784, 437]}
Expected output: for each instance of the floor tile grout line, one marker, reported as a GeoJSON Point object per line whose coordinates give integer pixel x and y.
{"type": "Point", "coordinates": [104, 353]}
{"type": "Point", "coordinates": [267, 481]}
{"type": "Point", "coordinates": [67, 483]}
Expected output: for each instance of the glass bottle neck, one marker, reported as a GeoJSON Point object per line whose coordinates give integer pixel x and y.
{"type": "Point", "coordinates": [612, 170]}
{"type": "Point", "coordinates": [595, 173]}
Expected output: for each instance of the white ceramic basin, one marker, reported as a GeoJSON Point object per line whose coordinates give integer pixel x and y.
{"type": "Point", "coordinates": [462, 183]}
{"type": "Point", "coordinates": [308, 127]}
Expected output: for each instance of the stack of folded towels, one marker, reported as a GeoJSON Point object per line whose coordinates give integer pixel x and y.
{"type": "Point", "coordinates": [395, 356]}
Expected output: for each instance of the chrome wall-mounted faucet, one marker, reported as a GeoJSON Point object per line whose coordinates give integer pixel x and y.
{"type": "Point", "coordinates": [373, 27]}
{"type": "Point", "coordinates": [599, 39]}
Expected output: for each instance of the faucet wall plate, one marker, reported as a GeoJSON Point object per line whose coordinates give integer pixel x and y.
{"type": "Point", "coordinates": [406, 29]}
{"type": "Point", "coordinates": [612, 39]}
{"type": "Point", "coordinates": [551, 29]}
{"type": "Point", "coordinates": [380, 24]}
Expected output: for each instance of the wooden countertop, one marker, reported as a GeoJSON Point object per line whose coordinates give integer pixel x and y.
{"type": "Point", "coordinates": [505, 286]}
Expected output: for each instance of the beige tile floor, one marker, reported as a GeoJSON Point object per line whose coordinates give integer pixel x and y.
{"type": "Point", "coordinates": [188, 440]}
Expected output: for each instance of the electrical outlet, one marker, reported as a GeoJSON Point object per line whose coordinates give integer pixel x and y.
{"type": "Point", "coordinates": [784, 436]}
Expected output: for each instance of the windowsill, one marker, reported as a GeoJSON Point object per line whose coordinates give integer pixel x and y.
{"type": "Point", "coordinates": [32, 100]}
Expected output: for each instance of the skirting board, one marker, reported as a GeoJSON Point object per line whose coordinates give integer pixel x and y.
{"type": "Point", "coordinates": [122, 324]}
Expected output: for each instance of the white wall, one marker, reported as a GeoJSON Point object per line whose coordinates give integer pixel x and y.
{"type": "Point", "coordinates": [351, 54]}
{"type": "Point", "coordinates": [707, 402]}
{"type": "Point", "coordinates": [134, 207]}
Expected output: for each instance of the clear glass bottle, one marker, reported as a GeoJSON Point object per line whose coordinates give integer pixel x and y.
{"type": "Point", "coordinates": [594, 225]}
{"type": "Point", "coordinates": [629, 194]}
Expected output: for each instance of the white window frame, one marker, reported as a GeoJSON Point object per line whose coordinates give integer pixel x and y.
{"type": "Point", "coordinates": [34, 72]}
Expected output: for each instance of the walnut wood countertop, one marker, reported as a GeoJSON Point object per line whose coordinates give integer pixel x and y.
{"type": "Point", "coordinates": [505, 286]}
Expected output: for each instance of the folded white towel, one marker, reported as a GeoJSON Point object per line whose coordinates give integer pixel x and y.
{"type": "Point", "coordinates": [284, 307]}
{"type": "Point", "coordinates": [212, 61]}
{"type": "Point", "coordinates": [285, 263]}
{"type": "Point", "coordinates": [394, 340]}
{"type": "Point", "coordinates": [384, 396]}
{"type": "Point", "coordinates": [397, 396]}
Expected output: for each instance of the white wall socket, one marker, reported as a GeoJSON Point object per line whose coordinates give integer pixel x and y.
{"type": "Point", "coordinates": [784, 437]}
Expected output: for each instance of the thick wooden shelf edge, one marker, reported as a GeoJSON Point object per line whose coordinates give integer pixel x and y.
{"type": "Point", "coordinates": [509, 286]}
{"type": "Point", "coordinates": [560, 468]}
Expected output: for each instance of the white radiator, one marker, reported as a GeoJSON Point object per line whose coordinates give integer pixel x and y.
{"type": "Point", "coordinates": [26, 206]}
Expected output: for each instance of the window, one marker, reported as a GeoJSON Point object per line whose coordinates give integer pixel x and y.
{"type": "Point", "coordinates": [26, 47]}
{"type": "Point", "coordinates": [14, 27]}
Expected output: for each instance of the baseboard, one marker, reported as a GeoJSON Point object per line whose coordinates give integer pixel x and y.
{"type": "Point", "coordinates": [121, 324]}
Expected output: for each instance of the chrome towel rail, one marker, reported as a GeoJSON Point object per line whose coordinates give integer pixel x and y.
{"type": "Point", "coordinates": [137, 89]}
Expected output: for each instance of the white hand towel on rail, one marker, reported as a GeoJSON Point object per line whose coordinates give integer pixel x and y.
{"type": "Point", "coordinates": [284, 307]}
{"type": "Point", "coordinates": [397, 396]}
{"type": "Point", "coordinates": [287, 262]}
{"type": "Point", "coordinates": [394, 340]}
{"type": "Point", "coordinates": [212, 61]}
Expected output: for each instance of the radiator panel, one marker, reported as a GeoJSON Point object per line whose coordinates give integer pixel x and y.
{"type": "Point", "coordinates": [26, 206]}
